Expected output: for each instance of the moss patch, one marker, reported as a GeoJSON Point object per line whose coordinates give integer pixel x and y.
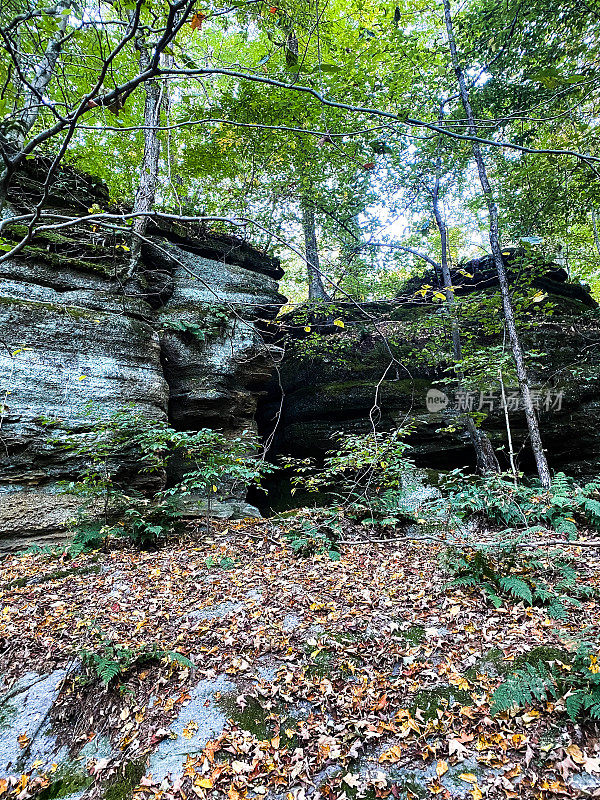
{"type": "Point", "coordinates": [430, 701]}
{"type": "Point", "coordinates": [56, 575]}
{"type": "Point", "coordinates": [67, 780]}
{"type": "Point", "coordinates": [414, 634]}
{"type": "Point", "coordinates": [125, 784]}
{"type": "Point", "coordinates": [260, 722]}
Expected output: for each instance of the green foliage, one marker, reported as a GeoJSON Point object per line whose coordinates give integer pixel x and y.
{"type": "Point", "coordinates": [316, 536]}
{"type": "Point", "coordinates": [505, 570]}
{"type": "Point", "coordinates": [205, 459]}
{"type": "Point", "coordinates": [572, 676]}
{"type": "Point", "coordinates": [112, 660]}
{"type": "Point", "coordinates": [520, 505]}
{"type": "Point", "coordinates": [214, 320]}
{"type": "Point", "coordinates": [224, 562]}
{"type": "Point", "coordinates": [329, 349]}
{"type": "Point", "coordinates": [370, 474]}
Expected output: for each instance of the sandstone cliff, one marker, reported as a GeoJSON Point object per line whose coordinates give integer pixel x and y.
{"type": "Point", "coordinates": [72, 333]}
{"type": "Point", "coordinates": [381, 365]}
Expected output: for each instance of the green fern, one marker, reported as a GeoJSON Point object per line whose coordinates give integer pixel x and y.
{"type": "Point", "coordinates": [113, 661]}
{"type": "Point", "coordinates": [553, 674]}
{"type": "Point", "coordinates": [504, 570]}
{"type": "Point", "coordinates": [516, 587]}
{"type": "Point", "coordinates": [178, 658]}
{"type": "Point", "coordinates": [496, 497]}
{"type": "Point", "coordinates": [522, 687]}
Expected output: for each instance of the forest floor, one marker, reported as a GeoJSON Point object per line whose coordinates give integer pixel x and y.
{"type": "Point", "coordinates": [359, 677]}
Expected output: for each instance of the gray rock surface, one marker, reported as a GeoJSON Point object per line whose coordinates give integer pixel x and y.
{"type": "Point", "coordinates": [72, 336]}
{"type": "Point", "coordinates": [171, 753]}
{"type": "Point", "coordinates": [25, 713]}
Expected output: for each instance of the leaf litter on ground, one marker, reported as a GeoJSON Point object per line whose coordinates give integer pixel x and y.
{"type": "Point", "coordinates": [359, 677]}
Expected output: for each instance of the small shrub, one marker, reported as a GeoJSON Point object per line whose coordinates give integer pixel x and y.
{"type": "Point", "coordinates": [572, 676]}
{"type": "Point", "coordinates": [209, 458]}
{"type": "Point", "coordinates": [504, 570]}
{"type": "Point", "coordinates": [521, 506]}
{"type": "Point", "coordinates": [368, 474]}
{"type": "Point", "coordinates": [316, 536]}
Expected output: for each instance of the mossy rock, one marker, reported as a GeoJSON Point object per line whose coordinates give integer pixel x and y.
{"type": "Point", "coordinates": [258, 721]}
{"type": "Point", "coordinates": [69, 779]}
{"type": "Point", "coordinates": [430, 701]}
{"type": "Point", "coordinates": [123, 786]}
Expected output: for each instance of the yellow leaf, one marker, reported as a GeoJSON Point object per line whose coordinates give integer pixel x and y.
{"type": "Point", "coordinates": [203, 783]}
{"type": "Point", "coordinates": [529, 716]}
{"type": "Point", "coordinates": [307, 328]}
{"type": "Point", "coordinates": [190, 729]}
{"type": "Point", "coordinates": [214, 488]}
{"type": "Point", "coordinates": [468, 777]}
{"type": "Point", "coordinates": [441, 768]}
{"type": "Point", "coordinates": [82, 377]}
{"type": "Point", "coordinates": [575, 752]}
{"type": "Point", "coordinates": [476, 793]}
{"type": "Point", "coordinates": [392, 755]}
{"type": "Point", "coordinates": [338, 322]}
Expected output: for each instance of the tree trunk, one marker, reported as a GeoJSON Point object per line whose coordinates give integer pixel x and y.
{"type": "Point", "coordinates": [316, 291]}
{"type": "Point", "coordinates": [509, 316]}
{"type": "Point", "coordinates": [484, 452]}
{"type": "Point", "coordinates": [146, 191]}
{"type": "Point", "coordinates": [12, 143]}
{"type": "Point", "coordinates": [595, 229]}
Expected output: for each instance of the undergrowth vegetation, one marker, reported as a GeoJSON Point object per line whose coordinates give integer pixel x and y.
{"type": "Point", "coordinates": [178, 467]}
{"type": "Point", "coordinates": [111, 660]}
{"type": "Point", "coordinates": [502, 501]}
{"type": "Point", "coordinates": [509, 569]}
{"type": "Point", "coordinates": [572, 678]}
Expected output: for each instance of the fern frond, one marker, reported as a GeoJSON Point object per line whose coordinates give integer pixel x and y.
{"type": "Point", "coordinates": [574, 703]}
{"type": "Point", "coordinates": [107, 669]}
{"type": "Point", "coordinates": [532, 682]}
{"type": "Point", "coordinates": [516, 587]}
{"type": "Point", "coordinates": [178, 658]}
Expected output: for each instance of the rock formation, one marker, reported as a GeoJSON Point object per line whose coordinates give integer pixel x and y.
{"type": "Point", "coordinates": [72, 334]}
{"type": "Point", "coordinates": [381, 365]}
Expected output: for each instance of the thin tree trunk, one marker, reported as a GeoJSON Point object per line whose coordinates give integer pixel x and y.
{"type": "Point", "coordinates": [146, 190]}
{"type": "Point", "coordinates": [316, 291]}
{"type": "Point", "coordinates": [34, 94]}
{"type": "Point", "coordinates": [509, 316]}
{"type": "Point", "coordinates": [595, 229]}
{"type": "Point", "coordinates": [511, 452]}
{"type": "Point", "coordinates": [484, 452]}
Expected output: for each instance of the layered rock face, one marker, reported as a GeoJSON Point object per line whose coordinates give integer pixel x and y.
{"type": "Point", "coordinates": [346, 381]}
{"type": "Point", "coordinates": [74, 338]}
